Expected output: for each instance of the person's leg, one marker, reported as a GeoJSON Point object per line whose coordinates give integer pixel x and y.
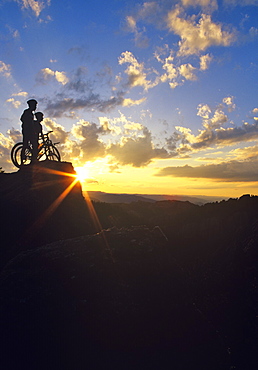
{"type": "Point", "coordinates": [34, 143]}
{"type": "Point", "coordinates": [25, 145]}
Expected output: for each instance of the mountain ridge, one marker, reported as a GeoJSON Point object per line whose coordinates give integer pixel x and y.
{"type": "Point", "coordinates": [100, 196]}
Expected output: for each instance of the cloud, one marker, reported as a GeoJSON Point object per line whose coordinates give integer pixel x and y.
{"type": "Point", "coordinates": [35, 6]}
{"type": "Point", "coordinates": [216, 121]}
{"type": "Point", "coordinates": [135, 146]}
{"type": "Point", "coordinates": [136, 151]}
{"type": "Point", "coordinates": [229, 101]}
{"type": "Point", "coordinates": [176, 73]}
{"type": "Point", "coordinates": [130, 102]}
{"type": "Point", "coordinates": [15, 103]}
{"type": "Point", "coordinates": [205, 4]}
{"type": "Point", "coordinates": [59, 134]}
{"type": "Point", "coordinates": [204, 111]}
{"type": "Point", "coordinates": [80, 92]}
{"type": "Point", "coordinates": [186, 70]}
{"type": "Point", "coordinates": [213, 134]}
{"type": "Point", "coordinates": [6, 144]}
{"type": "Point", "coordinates": [197, 35]}
{"type": "Point", "coordinates": [205, 61]}
{"type": "Point", "coordinates": [244, 171]}
{"type": "Point", "coordinates": [149, 12]}
{"type": "Point", "coordinates": [14, 135]}
{"type": "Point", "coordinates": [47, 74]}
{"type": "Point", "coordinates": [61, 104]}
{"type": "Point", "coordinates": [23, 94]}
{"type": "Point", "coordinates": [140, 38]}
{"type": "Point", "coordinates": [91, 146]}
{"type": "Point", "coordinates": [5, 69]}
{"type": "Point", "coordinates": [229, 136]}
{"type": "Point", "coordinates": [245, 153]}
{"type": "Point", "coordinates": [135, 71]}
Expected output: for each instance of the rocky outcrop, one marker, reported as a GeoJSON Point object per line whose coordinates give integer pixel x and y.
{"type": "Point", "coordinates": [38, 204]}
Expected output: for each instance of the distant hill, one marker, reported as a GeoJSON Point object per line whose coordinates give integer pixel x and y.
{"type": "Point", "coordinates": [100, 196]}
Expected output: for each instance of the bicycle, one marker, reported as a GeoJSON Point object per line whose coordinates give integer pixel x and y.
{"type": "Point", "coordinates": [46, 151]}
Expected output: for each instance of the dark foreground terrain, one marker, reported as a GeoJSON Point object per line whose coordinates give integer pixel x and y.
{"type": "Point", "coordinates": [165, 285]}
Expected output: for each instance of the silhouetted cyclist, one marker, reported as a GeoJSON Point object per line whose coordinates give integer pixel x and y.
{"type": "Point", "coordinates": [38, 127]}
{"type": "Point", "coordinates": [28, 130]}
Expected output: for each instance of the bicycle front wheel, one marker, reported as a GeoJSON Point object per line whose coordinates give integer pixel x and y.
{"type": "Point", "coordinates": [53, 157]}
{"type": "Point", "coordinates": [56, 152]}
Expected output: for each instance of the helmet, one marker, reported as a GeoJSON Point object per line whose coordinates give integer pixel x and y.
{"type": "Point", "coordinates": [32, 101]}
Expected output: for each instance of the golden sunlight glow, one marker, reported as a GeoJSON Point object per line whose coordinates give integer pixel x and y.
{"type": "Point", "coordinates": [82, 173]}
{"type": "Point", "coordinates": [127, 179]}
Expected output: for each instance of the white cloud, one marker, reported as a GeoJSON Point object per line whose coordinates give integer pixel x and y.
{"type": "Point", "coordinates": [197, 35]}
{"type": "Point", "coordinates": [130, 102]}
{"type": "Point", "coordinates": [21, 93]}
{"type": "Point", "coordinates": [35, 6]}
{"type": "Point", "coordinates": [47, 74]}
{"type": "Point", "coordinates": [186, 70]}
{"type": "Point", "coordinates": [218, 119]}
{"type": "Point", "coordinates": [205, 61]}
{"type": "Point", "coordinates": [16, 103]}
{"type": "Point", "coordinates": [213, 134]}
{"type": "Point", "coordinates": [135, 71]}
{"type": "Point", "coordinates": [61, 77]}
{"type": "Point", "coordinates": [5, 69]}
{"type": "Point", "coordinates": [229, 101]}
{"type": "Point", "coordinates": [6, 144]}
{"type": "Point", "coordinates": [170, 68]}
{"type": "Point", "coordinates": [204, 111]}
{"type": "Point", "coordinates": [136, 151]}
{"type": "Point", "coordinates": [205, 4]}
{"type": "Point", "coordinates": [91, 147]}
{"type": "Point", "coordinates": [245, 153]}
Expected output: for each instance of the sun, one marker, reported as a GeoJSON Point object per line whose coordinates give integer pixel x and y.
{"type": "Point", "coordinates": [82, 173]}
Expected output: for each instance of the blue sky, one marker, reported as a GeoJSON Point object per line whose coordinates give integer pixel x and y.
{"type": "Point", "coordinates": [144, 97]}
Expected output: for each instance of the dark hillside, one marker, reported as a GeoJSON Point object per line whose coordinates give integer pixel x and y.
{"type": "Point", "coordinates": [168, 285]}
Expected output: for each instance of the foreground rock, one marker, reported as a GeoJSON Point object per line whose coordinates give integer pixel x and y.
{"type": "Point", "coordinates": [112, 300]}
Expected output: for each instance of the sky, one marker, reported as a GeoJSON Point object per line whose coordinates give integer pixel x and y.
{"type": "Point", "coordinates": [154, 97]}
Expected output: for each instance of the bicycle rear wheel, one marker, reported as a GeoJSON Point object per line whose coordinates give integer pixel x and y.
{"type": "Point", "coordinates": [26, 159]}
{"type": "Point", "coordinates": [16, 155]}
{"type": "Point", "coordinates": [13, 153]}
